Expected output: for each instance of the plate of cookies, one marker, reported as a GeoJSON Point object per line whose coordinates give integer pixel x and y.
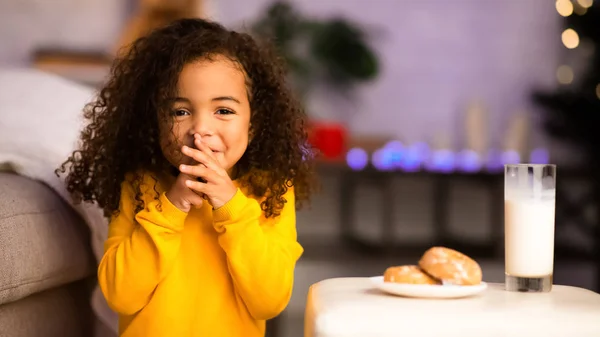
{"type": "Point", "coordinates": [440, 273]}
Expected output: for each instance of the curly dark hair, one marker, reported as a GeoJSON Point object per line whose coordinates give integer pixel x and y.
{"type": "Point", "coordinates": [122, 135]}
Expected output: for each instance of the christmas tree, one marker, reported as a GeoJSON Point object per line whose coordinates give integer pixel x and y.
{"type": "Point", "coordinates": [572, 113]}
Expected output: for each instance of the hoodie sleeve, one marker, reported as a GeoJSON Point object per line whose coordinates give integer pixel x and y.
{"type": "Point", "coordinates": [261, 253]}
{"type": "Point", "coordinates": [139, 251]}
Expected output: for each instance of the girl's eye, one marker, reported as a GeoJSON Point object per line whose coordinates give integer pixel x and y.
{"type": "Point", "coordinates": [225, 112]}
{"type": "Point", "coordinates": [180, 112]}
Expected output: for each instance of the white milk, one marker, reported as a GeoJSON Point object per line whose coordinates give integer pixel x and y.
{"type": "Point", "coordinates": [529, 237]}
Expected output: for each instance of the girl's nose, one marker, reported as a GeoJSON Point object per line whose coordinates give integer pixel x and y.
{"type": "Point", "coordinates": [202, 126]}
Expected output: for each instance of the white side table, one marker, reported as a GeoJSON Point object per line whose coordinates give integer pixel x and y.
{"type": "Point", "coordinates": [352, 307]}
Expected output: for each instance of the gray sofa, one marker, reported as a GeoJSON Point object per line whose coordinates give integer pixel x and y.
{"type": "Point", "coordinates": [47, 269]}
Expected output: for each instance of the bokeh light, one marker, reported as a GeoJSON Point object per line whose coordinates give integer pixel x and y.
{"type": "Point", "coordinates": [511, 157]}
{"type": "Point", "coordinates": [564, 74]}
{"type": "Point", "coordinates": [570, 38]}
{"type": "Point", "coordinates": [468, 161]}
{"type": "Point", "coordinates": [395, 151]}
{"type": "Point", "coordinates": [539, 156]}
{"type": "Point", "coordinates": [585, 3]}
{"type": "Point", "coordinates": [441, 161]}
{"type": "Point", "coordinates": [357, 159]}
{"type": "Point", "coordinates": [412, 160]}
{"type": "Point", "coordinates": [564, 7]}
{"type": "Point", "coordinates": [493, 161]}
{"type": "Point", "coordinates": [382, 160]}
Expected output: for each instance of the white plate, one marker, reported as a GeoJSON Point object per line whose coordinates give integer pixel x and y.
{"type": "Point", "coordinates": [427, 290]}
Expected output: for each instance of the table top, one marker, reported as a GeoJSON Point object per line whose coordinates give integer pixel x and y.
{"type": "Point", "coordinates": [344, 307]}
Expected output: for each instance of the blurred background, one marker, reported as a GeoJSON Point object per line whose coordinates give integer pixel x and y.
{"type": "Point", "coordinates": [415, 105]}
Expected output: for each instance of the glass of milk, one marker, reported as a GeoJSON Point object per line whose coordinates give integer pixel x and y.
{"type": "Point", "coordinates": [529, 200]}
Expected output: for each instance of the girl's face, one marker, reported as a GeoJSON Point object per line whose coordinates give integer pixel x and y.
{"type": "Point", "coordinates": [212, 101]}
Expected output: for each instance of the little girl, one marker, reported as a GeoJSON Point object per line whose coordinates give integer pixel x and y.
{"type": "Point", "coordinates": [197, 152]}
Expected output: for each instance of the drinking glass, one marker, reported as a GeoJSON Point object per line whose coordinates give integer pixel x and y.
{"type": "Point", "coordinates": [529, 203]}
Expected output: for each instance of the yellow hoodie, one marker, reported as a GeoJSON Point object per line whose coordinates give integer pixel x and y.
{"type": "Point", "coordinates": [207, 273]}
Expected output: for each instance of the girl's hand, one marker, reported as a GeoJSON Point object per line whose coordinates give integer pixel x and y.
{"type": "Point", "coordinates": [183, 197]}
{"type": "Point", "coordinates": [218, 188]}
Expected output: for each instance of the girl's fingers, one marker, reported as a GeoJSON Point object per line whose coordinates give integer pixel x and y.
{"type": "Point", "coordinates": [208, 152]}
{"type": "Point", "coordinates": [198, 187]}
{"type": "Point", "coordinates": [199, 171]}
{"type": "Point", "coordinates": [203, 147]}
{"type": "Point", "coordinates": [196, 199]}
{"type": "Point", "coordinates": [198, 156]}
